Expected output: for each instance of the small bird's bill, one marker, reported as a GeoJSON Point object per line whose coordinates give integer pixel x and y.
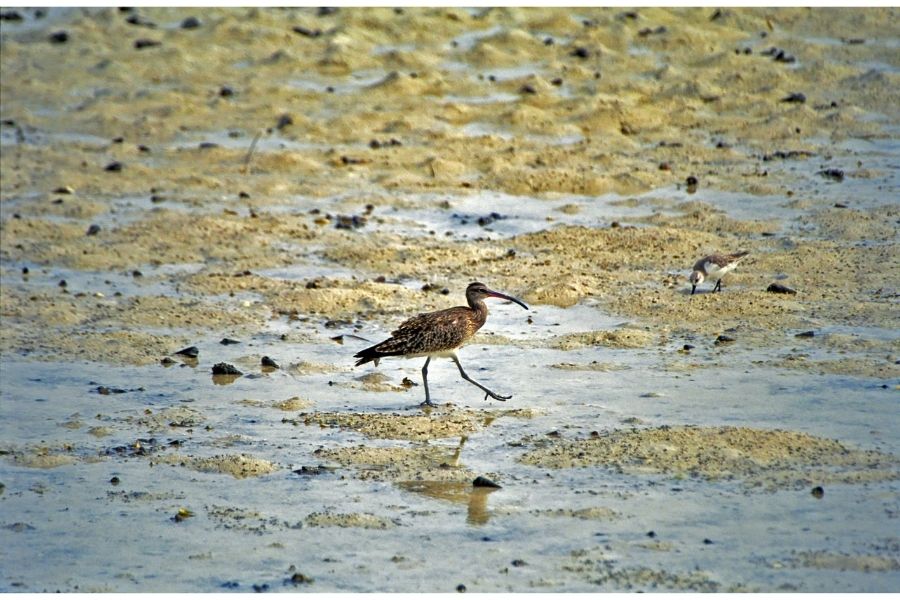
{"type": "Point", "coordinates": [510, 298]}
{"type": "Point", "coordinates": [693, 288]}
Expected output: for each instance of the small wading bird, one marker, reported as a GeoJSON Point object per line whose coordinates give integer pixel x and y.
{"type": "Point", "coordinates": [439, 334]}
{"type": "Point", "coordinates": [714, 266]}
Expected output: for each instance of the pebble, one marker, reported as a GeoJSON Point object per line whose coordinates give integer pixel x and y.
{"type": "Point", "coordinates": [482, 481]}
{"type": "Point", "coordinates": [114, 481]}
{"type": "Point", "coordinates": [305, 32]}
{"type": "Point", "coordinates": [146, 43]}
{"type": "Point", "coordinates": [806, 334]}
{"type": "Point", "coordinates": [795, 97]}
{"type": "Point", "coordinates": [833, 174]}
{"type": "Point", "coordinates": [106, 391]}
{"type": "Point", "coordinates": [777, 288]}
{"type": "Point", "coordinates": [10, 15]}
{"type": "Point", "coordinates": [59, 37]}
{"type": "Point", "coordinates": [283, 121]}
{"type": "Point", "coordinates": [113, 167]}
{"type": "Point", "coordinates": [226, 91]}
{"type": "Point", "coordinates": [190, 23]}
{"type": "Point", "coordinates": [64, 189]}
{"type": "Point", "coordinates": [225, 369]}
{"type": "Point", "coordinates": [818, 491]}
{"type": "Point", "coordinates": [228, 342]}
{"type": "Point", "coordinates": [268, 362]}
{"type": "Point", "coordinates": [518, 562]}
{"type": "Point", "coordinates": [724, 339]}
{"type": "Point", "coordinates": [687, 347]}
{"type": "Point", "coordinates": [190, 351]}
{"type": "Point", "coordinates": [581, 52]}
{"type": "Point", "coordinates": [166, 361]}
{"type": "Point", "coordinates": [461, 588]}
{"type": "Point", "coordinates": [299, 578]}
{"type": "Point", "coordinates": [93, 229]}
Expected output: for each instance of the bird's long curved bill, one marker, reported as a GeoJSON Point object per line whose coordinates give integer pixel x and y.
{"type": "Point", "coordinates": [510, 298]}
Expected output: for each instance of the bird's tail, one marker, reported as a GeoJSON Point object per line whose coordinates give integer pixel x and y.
{"type": "Point", "coordinates": [367, 355]}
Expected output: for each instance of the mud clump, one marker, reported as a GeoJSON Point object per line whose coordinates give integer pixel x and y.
{"type": "Point", "coordinates": [760, 458]}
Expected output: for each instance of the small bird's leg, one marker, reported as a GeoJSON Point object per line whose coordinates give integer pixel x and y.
{"type": "Point", "coordinates": [472, 381]}
{"type": "Point", "coordinates": [718, 287]}
{"type": "Point", "coordinates": [428, 401]}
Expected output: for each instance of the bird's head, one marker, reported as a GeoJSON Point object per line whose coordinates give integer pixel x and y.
{"type": "Point", "coordinates": [478, 291]}
{"type": "Point", "coordinates": [696, 279]}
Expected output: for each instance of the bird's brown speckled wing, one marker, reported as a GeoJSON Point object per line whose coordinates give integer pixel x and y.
{"type": "Point", "coordinates": [432, 332]}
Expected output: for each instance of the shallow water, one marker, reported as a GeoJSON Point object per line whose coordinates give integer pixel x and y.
{"type": "Point", "coordinates": [414, 522]}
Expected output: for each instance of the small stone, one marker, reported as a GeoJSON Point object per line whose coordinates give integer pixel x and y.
{"type": "Point", "coordinates": [651, 534]}
{"type": "Point", "coordinates": [93, 229]}
{"type": "Point", "coordinates": [724, 339]}
{"type": "Point", "coordinates": [461, 588]}
{"type": "Point", "coordinates": [306, 32]}
{"type": "Point", "coordinates": [228, 342]}
{"type": "Point", "coordinates": [518, 562]}
{"type": "Point", "coordinates": [692, 181]}
{"type": "Point", "coordinates": [580, 52]}
{"type": "Point", "coordinates": [226, 91]}
{"type": "Point", "coordinates": [482, 481]}
{"type": "Point", "coordinates": [818, 492]}
{"type": "Point", "coordinates": [795, 98]}
{"type": "Point", "coordinates": [190, 23]}
{"type": "Point", "coordinates": [114, 481]}
{"type": "Point", "coordinates": [190, 352]}
{"type": "Point", "coordinates": [64, 189]}
{"type": "Point", "coordinates": [806, 334]}
{"type": "Point", "coordinates": [225, 369]}
{"type": "Point", "coordinates": [840, 205]}
{"type": "Point", "coordinates": [146, 43]}
{"type": "Point", "coordinates": [777, 288]}
{"type": "Point", "coordinates": [167, 361]}
{"type": "Point", "coordinates": [10, 15]}
{"type": "Point", "coordinates": [63, 283]}
{"type": "Point", "coordinates": [268, 362]}
{"type": "Point", "coordinates": [299, 578]}
{"type": "Point", "coordinates": [59, 37]}
{"type": "Point", "coordinates": [283, 121]}
{"type": "Point", "coordinates": [707, 541]}
{"type": "Point", "coordinates": [687, 347]}
{"type": "Point", "coordinates": [114, 167]}
{"type": "Point", "coordinates": [833, 174]}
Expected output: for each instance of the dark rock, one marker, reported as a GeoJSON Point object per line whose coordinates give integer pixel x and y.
{"type": "Point", "coordinates": [518, 562]}
{"type": "Point", "coordinates": [93, 229]}
{"type": "Point", "coordinates": [190, 352]}
{"type": "Point", "coordinates": [777, 288]}
{"type": "Point", "coordinates": [326, 11]}
{"type": "Point", "coordinates": [795, 97]}
{"type": "Point", "coordinates": [146, 43]}
{"type": "Point", "coordinates": [226, 91]}
{"type": "Point", "coordinates": [299, 579]}
{"type": "Point", "coordinates": [167, 361]}
{"type": "Point", "coordinates": [305, 32]}
{"type": "Point", "coordinates": [580, 52]}
{"type": "Point", "coordinates": [228, 342]}
{"type": "Point", "coordinates": [190, 23]}
{"type": "Point", "coordinates": [818, 492]}
{"type": "Point", "coordinates": [283, 121]}
{"type": "Point", "coordinates": [651, 534]}
{"type": "Point", "coordinates": [63, 283]}
{"type": "Point", "coordinates": [106, 391]}
{"type": "Point", "coordinates": [692, 181]}
{"type": "Point", "coordinates": [806, 334]}
{"type": "Point", "coordinates": [482, 481]}
{"type": "Point", "coordinates": [59, 37]}
{"type": "Point", "coordinates": [833, 174]}
{"type": "Point", "coordinates": [225, 369]}
{"type": "Point", "coordinates": [65, 189]}
{"type": "Point", "coordinates": [208, 145]}
{"type": "Point", "coordinates": [139, 21]}
{"type": "Point", "coordinates": [268, 362]}
{"type": "Point", "coordinates": [114, 481]}
{"type": "Point", "coordinates": [687, 347]}
{"type": "Point", "coordinates": [349, 222]}
{"type": "Point", "coordinates": [527, 89]}
{"type": "Point", "coordinates": [840, 205]}
{"type": "Point", "coordinates": [10, 15]}
{"type": "Point", "coordinates": [461, 588]}
{"type": "Point", "coordinates": [707, 541]}
{"type": "Point", "coordinates": [724, 339]}
{"type": "Point", "coordinates": [114, 167]}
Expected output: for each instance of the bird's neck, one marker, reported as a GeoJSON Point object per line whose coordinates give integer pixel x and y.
{"type": "Point", "coordinates": [479, 308]}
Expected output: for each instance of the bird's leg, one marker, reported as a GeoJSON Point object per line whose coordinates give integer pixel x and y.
{"type": "Point", "coordinates": [718, 287]}
{"type": "Point", "coordinates": [472, 381]}
{"type": "Point", "coordinates": [428, 401]}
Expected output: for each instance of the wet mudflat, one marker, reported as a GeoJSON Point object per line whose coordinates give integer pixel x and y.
{"type": "Point", "coordinates": [581, 160]}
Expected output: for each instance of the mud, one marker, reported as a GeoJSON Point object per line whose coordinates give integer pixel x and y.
{"type": "Point", "coordinates": [304, 180]}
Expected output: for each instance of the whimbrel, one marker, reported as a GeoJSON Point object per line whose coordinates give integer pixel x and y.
{"type": "Point", "coordinates": [439, 334]}
{"type": "Point", "coordinates": [714, 266]}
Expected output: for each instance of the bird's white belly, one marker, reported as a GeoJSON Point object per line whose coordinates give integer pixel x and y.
{"type": "Point", "coordinates": [714, 271]}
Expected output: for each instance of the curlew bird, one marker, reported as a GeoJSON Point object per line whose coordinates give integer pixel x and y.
{"type": "Point", "coordinates": [439, 334]}
{"type": "Point", "coordinates": [714, 266]}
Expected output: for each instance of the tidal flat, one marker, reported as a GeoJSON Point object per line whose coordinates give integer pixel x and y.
{"type": "Point", "coordinates": [276, 189]}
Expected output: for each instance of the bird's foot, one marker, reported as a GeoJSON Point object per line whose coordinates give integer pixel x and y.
{"type": "Point", "coordinates": [496, 396]}
{"type": "Point", "coordinates": [428, 404]}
